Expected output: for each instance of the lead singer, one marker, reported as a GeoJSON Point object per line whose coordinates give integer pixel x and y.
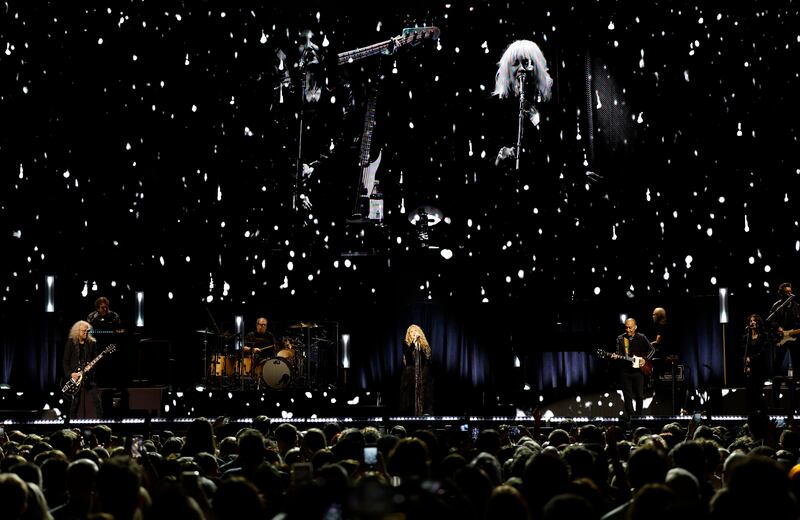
{"type": "Point", "coordinates": [416, 383]}
{"type": "Point", "coordinates": [522, 73]}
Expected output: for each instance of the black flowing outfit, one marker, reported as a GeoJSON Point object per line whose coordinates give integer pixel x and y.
{"type": "Point", "coordinates": [416, 382]}
{"type": "Point", "coordinates": [758, 349]}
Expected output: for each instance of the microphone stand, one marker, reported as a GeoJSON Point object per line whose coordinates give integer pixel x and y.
{"type": "Point", "coordinates": [521, 80]}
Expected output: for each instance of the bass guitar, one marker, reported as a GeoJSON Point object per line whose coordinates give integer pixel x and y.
{"type": "Point", "coordinates": [73, 386]}
{"type": "Point", "coordinates": [410, 36]}
{"type": "Point", "coordinates": [641, 363]}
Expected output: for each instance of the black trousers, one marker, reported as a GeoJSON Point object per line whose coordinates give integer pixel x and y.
{"type": "Point", "coordinates": [86, 404]}
{"type": "Point", "coordinates": [632, 383]}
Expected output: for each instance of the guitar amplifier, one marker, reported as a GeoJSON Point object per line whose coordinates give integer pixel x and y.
{"type": "Point", "coordinates": [666, 374]}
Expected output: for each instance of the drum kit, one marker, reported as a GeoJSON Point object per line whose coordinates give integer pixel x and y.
{"type": "Point", "coordinates": [276, 366]}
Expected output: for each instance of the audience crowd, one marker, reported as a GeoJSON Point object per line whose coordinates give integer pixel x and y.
{"type": "Point", "coordinates": [218, 470]}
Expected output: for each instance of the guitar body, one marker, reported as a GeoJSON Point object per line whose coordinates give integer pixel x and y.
{"type": "Point", "coordinates": [636, 361]}
{"type": "Point", "coordinates": [788, 336]}
{"type": "Point", "coordinates": [72, 386]}
{"type": "Point", "coordinates": [647, 368]}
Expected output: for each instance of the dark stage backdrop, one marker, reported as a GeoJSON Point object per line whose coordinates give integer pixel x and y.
{"type": "Point", "coordinates": [153, 146]}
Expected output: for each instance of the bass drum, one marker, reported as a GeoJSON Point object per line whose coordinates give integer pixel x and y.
{"type": "Point", "coordinates": [277, 373]}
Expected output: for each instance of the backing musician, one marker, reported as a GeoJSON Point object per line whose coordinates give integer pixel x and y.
{"type": "Point", "coordinates": [785, 319]}
{"type": "Point", "coordinates": [103, 317]}
{"type": "Point", "coordinates": [259, 343]}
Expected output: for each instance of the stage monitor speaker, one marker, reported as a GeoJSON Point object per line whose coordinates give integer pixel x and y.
{"type": "Point", "coordinates": [144, 401]}
{"type": "Point", "coordinates": [781, 396]}
{"type": "Point", "coordinates": [725, 401]}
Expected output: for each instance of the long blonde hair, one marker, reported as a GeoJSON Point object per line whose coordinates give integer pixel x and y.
{"type": "Point", "coordinates": [75, 331]}
{"type": "Point", "coordinates": [423, 341]}
{"type": "Point", "coordinates": [505, 83]}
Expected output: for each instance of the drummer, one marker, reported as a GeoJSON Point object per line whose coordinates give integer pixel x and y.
{"type": "Point", "coordinates": [259, 343]}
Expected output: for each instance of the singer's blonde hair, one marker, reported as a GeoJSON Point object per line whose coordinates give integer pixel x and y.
{"type": "Point", "coordinates": [423, 341]}
{"type": "Point", "coordinates": [504, 84]}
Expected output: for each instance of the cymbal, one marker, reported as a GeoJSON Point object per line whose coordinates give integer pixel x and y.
{"type": "Point", "coordinates": [426, 216]}
{"type": "Point", "coordinates": [205, 331]}
{"type": "Point", "coordinates": [304, 325]}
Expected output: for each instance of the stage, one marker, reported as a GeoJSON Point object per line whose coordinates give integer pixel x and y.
{"type": "Point", "coordinates": [156, 409]}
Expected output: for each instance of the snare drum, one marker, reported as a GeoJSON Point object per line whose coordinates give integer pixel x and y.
{"type": "Point", "coordinates": [222, 365]}
{"type": "Point", "coordinates": [277, 373]}
{"type": "Point", "coordinates": [287, 354]}
{"type": "Point", "coordinates": [286, 350]}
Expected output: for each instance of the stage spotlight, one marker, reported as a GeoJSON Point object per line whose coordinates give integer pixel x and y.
{"type": "Point", "coordinates": [517, 362]}
{"type": "Point", "coordinates": [309, 395]}
{"type": "Point", "coordinates": [200, 387]}
{"type": "Point", "coordinates": [353, 401]}
{"type": "Point", "coordinates": [527, 386]}
{"type": "Point", "coordinates": [5, 386]}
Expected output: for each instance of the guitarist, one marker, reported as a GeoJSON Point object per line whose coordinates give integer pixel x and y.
{"type": "Point", "coordinates": [631, 378]}
{"type": "Point", "coordinates": [785, 316]}
{"type": "Point", "coordinates": [79, 350]}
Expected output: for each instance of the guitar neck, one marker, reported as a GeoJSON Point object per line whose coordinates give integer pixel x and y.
{"type": "Point", "coordinates": [369, 123]}
{"type": "Point", "coordinates": [410, 36]}
{"type": "Point", "coordinates": [91, 363]}
{"type": "Point", "coordinates": [364, 52]}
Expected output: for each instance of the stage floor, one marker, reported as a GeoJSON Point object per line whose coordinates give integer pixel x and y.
{"type": "Point", "coordinates": [165, 408]}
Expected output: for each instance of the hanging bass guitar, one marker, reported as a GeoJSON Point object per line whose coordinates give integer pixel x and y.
{"type": "Point", "coordinates": [73, 386]}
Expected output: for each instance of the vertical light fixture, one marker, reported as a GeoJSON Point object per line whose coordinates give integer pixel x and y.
{"type": "Point", "coordinates": [140, 308]}
{"type": "Point", "coordinates": [50, 294]}
{"type": "Point", "coordinates": [723, 305]}
{"type": "Point", "coordinates": [345, 350]}
{"type": "Point", "coordinates": [723, 319]}
{"type": "Point", "coordinates": [345, 339]}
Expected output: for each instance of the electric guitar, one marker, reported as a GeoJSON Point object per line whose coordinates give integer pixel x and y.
{"type": "Point", "coordinates": [73, 386]}
{"type": "Point", "coordinates": [788, 336]}
{"type": "Point", "coordinates": [366, 183]}
{"type": "Point", "coordinates": [636, 361]}
{"type": "Point", "coordinates": [409, 36]}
